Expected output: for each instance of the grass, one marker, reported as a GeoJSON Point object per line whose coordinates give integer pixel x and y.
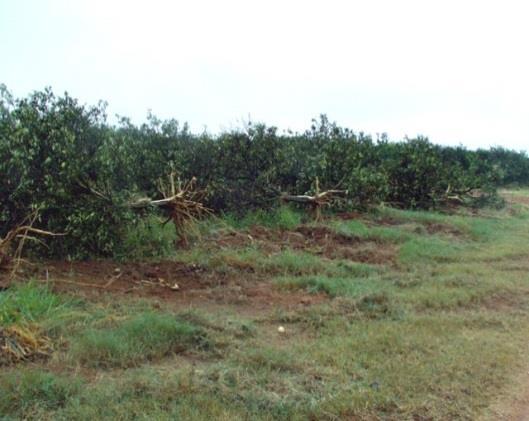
{"type": "Point", "coordinates": [283, 217]}
{"type": "Point", "coordinates": [30, 303]}
{"type": "Point", "coordinates": [144, 337]}
{"type": "Point", "coordinates": [31, 393]}
{"type": "Point", "coordinates": [336, 286]}
{"type": "Point", "coordinates": [439, 332]}
{"type": "Point", "coordinates": [430, 250]}
{"type": "Point", "coordinates": [253, 260]}
{"type": "Point", "coordinates": [147, 238]}
{"type": "Point", "coordinates": [455, 362]}
{"type": "Point", "coordinates": [359, 229]}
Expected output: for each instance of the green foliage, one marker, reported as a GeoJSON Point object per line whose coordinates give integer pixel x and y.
{"type": "Point", "coordinates": [52, 158]}
{"type": "Point", "coordinates": [512, 167]}
{"type": "Point", "coordinates": [64, 159]}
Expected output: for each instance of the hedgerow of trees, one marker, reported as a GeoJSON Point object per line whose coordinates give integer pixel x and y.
{"type": "Point", "coordinates": [64, 159]}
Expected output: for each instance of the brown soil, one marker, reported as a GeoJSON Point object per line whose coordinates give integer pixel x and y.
{"type": "Point", "coordinates": [196, 286]}
{"type": "Point", "coordinates": [513, 198]}
{"type": "Point", "coordinates": [316, 240]}
{"type": "Point", "coordinates": [387, 221]}
{"type": "Point", "coordinates": [438, 228]}
{"type": "Point", "coordinates": [430, 227]}
{"type": "Point", "coordinates": [347, 216]}
{"type": "Point", "coordinates": [336, 246]}
{"type": "Point", "coordinates": [505, 303]}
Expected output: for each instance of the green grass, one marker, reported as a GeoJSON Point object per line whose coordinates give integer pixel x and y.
{"type": "Point", "coordinates": [435, 357]}
{"type": "Point", "coordinates": [30, 393]}
{"type": "Point", "coordinates": [423, 250]}
{"type": "Point", "coordinates": [439, 332]}
{"type": "Point", "coordinates": [351, 286]}
{"type": "Point", "coordinates": [144, 337]}
{"type": "Point", "coordinates": [148, 238]}
{"type": "Point", "coordinates": [30, 303]}
{"type": "Point", "coordinates": [252, 260]}
{"type": "Point", "coordinates": [298, 263]}
{"type": "Point", "coordinates": [283, 217]}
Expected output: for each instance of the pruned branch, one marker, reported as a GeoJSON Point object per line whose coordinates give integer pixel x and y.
{"type": "Point", "coordinates": [10, 251]}
{"type": "Point", "coordinates": [88, 185]}
{"type": "Point", "coordinates": [182, 201]}
{"type": "Point", "coordinates": [317, 201]}
{"type": "Point", "coordinates": [321, 199]}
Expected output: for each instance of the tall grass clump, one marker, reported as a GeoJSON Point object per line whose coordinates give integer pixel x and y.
{"type": "Point", "coordinates": [29, 303]}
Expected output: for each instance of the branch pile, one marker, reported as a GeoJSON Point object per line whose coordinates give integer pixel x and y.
{"type": "Point", "coordinates": [182, 202]}
{"type": "Point", "coordinates": [316, 202]}
{"type": "Point", "coordinates": [12, 245]}
{"type": "Point", "coordinates": [22, 344]}
{"type": "Point", "coordinates": [457, 196]}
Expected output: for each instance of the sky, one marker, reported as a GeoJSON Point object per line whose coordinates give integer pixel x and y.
{"type": "Point", "coordinates": [455, 71]}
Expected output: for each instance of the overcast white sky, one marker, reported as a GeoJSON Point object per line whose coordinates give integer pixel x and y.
{"type": "Point", "coordinates": [456, 71]}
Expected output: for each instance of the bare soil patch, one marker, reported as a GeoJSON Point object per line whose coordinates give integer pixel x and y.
{"type": "Point", "coordinates": [316, 240]}
{"type": "Point", "coordinates": [514, 198]}
{"type": "Point", "coordinates": [196, 285]}
{"type": "Point", "coordinates": [191, 284]}
{"type": "Point", "coordinates": [439, 228]}
{"type": "Point", "coordinates": [428, 227]}
{"type": "Point", "coordinates": [337, 246]}
{"type": "Point", "coordinates": [348, 216]}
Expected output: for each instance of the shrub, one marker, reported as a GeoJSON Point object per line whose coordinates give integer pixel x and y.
{"type": "Point", "coordinates": [64, 159]}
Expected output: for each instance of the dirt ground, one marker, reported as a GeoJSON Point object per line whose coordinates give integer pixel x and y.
{"type": "Point", "coordinates": [168, 281]}
{"type": "Point", "coordinates": [317, 240]}
{"type": "Point", "coordinates": [191, 284]}
{"type": "Point", "coordinates": [195, 285]}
